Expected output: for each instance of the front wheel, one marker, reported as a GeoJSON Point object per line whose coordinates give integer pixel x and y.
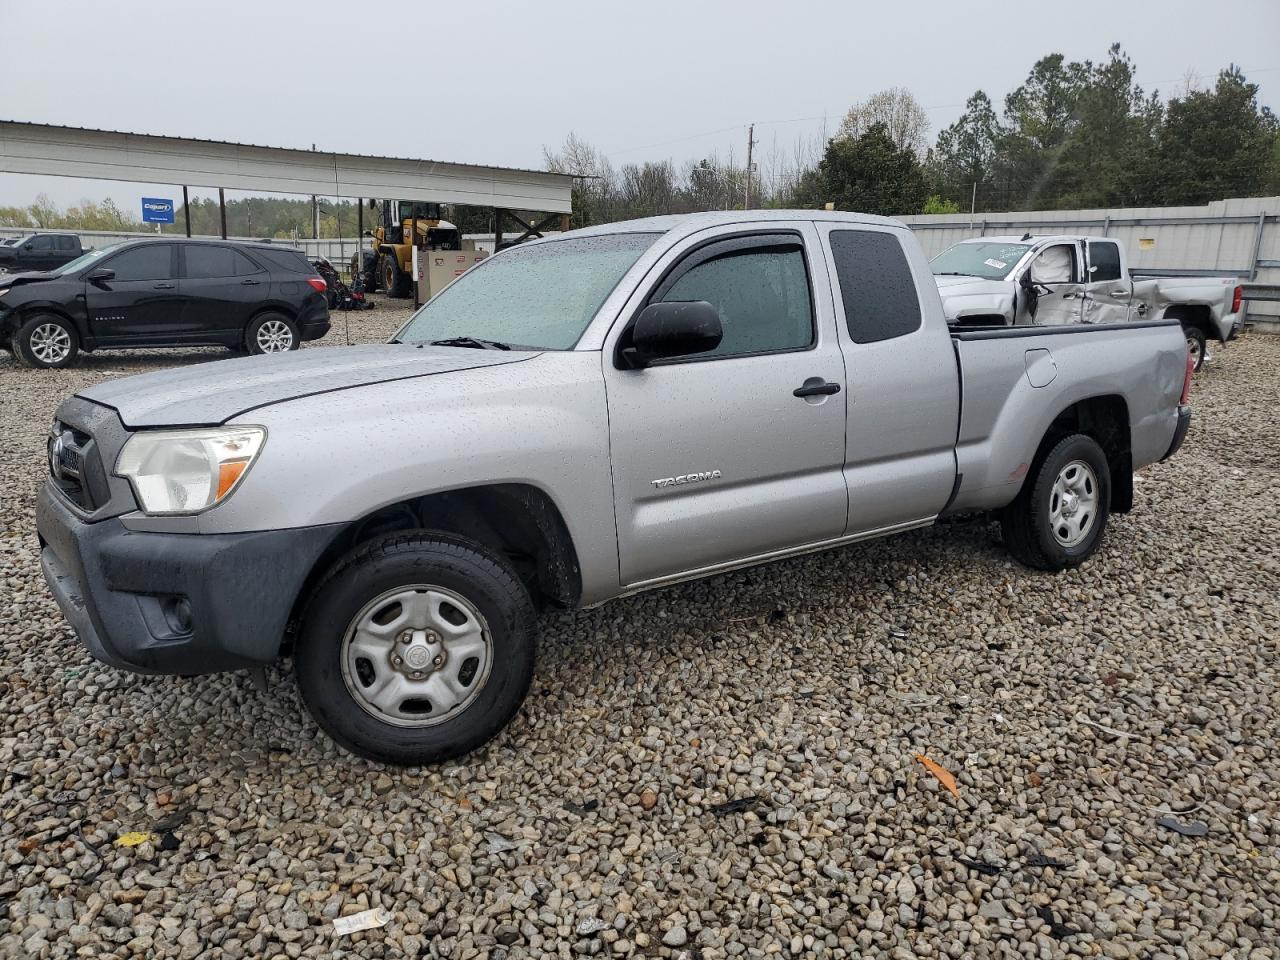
{"type": "Point", "coordinates": [1059, 516]}
{"type": "Point", "coordinates": [271, 333]}
{"type": "Point", "coordinates": [1196, 342]}
{"type": "Point", "coordinates": [47, 341]}
{"type": "Point", "coordinates": [416, 649]}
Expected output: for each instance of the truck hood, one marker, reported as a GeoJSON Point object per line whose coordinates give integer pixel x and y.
{"type": "Point", "coordinates": [969, 286]}
{"type": "Point", "coordinates": [214, 393]}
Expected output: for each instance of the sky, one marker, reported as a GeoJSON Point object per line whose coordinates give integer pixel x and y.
{"type": "Point", "coordinates": [495, 82]}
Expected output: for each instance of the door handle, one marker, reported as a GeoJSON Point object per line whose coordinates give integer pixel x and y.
{"type": "Point", "coordinates": [1120, 294]}
{"type": "Point", "coordinates": [164, 286]}
{"type": "Point", "coordinates": [816, 387]}
{"type": "Point", "coordinates": [250, 283]}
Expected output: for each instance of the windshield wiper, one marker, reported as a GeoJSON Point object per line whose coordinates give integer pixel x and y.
{"type": "Point", "coordinates": [474, 342]}
{"type": "Point", "coordinates": [952, 273]}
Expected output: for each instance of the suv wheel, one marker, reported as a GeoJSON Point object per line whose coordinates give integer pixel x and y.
{"type": "Point", "coordinates": [271, 333]}
{"type": "Point", "coordinates": [416, 649]}
{"type": "Point", "coordinates": [47, 341]}
{"type": "Point", "coordinates": [1060, 514]}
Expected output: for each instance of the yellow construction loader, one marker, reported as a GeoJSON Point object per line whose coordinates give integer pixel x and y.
{"type": "Point", "coordinates": [404, 224]}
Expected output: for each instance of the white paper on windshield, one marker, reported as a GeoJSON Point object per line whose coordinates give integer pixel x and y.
{"type": "Point", "coordinates": [998, 264]}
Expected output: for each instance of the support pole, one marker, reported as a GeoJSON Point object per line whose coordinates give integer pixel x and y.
{"type": "Point", "coordinates": [222, 211]}
{"type": "Point", "coordinates": [497, 229]}
{"type": "Point", "coordinates": [315, 218]}
{"type": "Point", "coordinates": [359, 257]}
{"type": "Point", "coordinates": [186, 209]}
{"type": "Point", "coordinates": [565, 222]}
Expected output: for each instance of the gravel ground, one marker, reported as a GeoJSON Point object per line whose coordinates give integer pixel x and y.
{"type": "Point", "coordinates": [1075, 711]}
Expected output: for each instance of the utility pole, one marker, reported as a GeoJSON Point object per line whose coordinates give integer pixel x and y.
{"type": "Point", "coordinates": [751, 142]}
{"type": "Point", "coordinates": [973, 204]}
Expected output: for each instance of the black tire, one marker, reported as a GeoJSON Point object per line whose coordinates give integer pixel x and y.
{"type": "Point", "coordinates": [1028, 529]}
{"type": "Point", "coordinates": [395, 282]}
{"type": "Point", "coordinates": [405, 561]}
{"type": "Point", "coordinates": [1196, 342]}
{"type": "Point", "coordinates": [271, 332]}
{"type": "Point", "coordinates": [47, 342]}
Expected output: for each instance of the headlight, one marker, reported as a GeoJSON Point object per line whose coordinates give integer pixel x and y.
{"type": "Point", "coordinates": [186, 471]}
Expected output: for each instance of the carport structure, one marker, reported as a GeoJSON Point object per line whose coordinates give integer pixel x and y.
{"type": "Point", "coordinates": [47, 150]}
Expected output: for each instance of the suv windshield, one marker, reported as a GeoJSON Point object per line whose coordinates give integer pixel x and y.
{"type": "Point", "coordinates": [991, 261]}
{"type": "Point", "coordinates": [82, 261]}
{"type": "Point", "coordinates": [540, 296]}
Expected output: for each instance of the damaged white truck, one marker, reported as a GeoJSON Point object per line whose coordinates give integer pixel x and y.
{"type": "Point", "coordinates": [1056, 280]}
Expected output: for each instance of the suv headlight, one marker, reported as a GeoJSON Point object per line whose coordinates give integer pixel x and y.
{"type": "Point", "coordinates": [186, 471]}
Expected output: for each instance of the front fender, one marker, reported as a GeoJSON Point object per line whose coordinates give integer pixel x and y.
{"type": "Point", "coordinates": [331, 458]}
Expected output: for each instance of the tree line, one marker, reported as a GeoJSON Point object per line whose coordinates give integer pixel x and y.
{"type": "Point", "coordinates": [1071, 135]}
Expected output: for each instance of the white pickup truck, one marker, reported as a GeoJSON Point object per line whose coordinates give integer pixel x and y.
{"type": "Point", "coordinates": [1005, 281]}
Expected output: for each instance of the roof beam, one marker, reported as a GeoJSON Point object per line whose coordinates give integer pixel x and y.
{"type": "Point", "coordinates": [45, 150]}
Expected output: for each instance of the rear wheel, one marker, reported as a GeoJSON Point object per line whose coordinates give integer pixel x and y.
{"type": "Point", "coordinates": [1196, 342]}
{"type": "Point", "coordinates": [46, 341]}
{"type": "Point", "coordinates": [271, 333]}
{"type": "Point", "coordinates": [416, 649]}
{"type": "Point", "coordinates": [1061, 513]}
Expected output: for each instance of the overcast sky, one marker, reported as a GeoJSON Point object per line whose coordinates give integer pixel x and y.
{"type": "Point", "coordinates": [493, 82]}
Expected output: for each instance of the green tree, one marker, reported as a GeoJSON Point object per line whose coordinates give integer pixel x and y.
{"type": "Point", "coordinates": [1215, 144]}
{"type": "Point", "coordinates": [870, 174]}
{"type": "Point", "coordinates": [966, 150]}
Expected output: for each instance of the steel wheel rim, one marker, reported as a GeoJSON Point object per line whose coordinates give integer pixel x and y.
{"type": "Point", "coordinates": [416, 656]}
{"type": "Point", "coordinates": [50, 343]}
{"type": "Point", "coordinates": [1073, 503]}
{"type": "Point", "coordinates": [274, 336]}
{"type": "Point", "coordinates": [1194, 349]}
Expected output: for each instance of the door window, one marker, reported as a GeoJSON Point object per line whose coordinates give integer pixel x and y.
{"type": "Point", "coordinates": [41, 244]}
{"type": "Point", "coordinates": [876, 285]}
{"type": "Point", "coordinates": [1104, 261]}
{"type": "Point", "coordinates": [761, 294]}
{"type": "Point", "coordinates": [151, 261]}
{"type": "Point", "coordinates": [1056, 264]}
{"type": "Point", "coordinates": [206, 261]}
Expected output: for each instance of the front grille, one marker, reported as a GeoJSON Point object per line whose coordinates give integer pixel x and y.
{"type": "Point", "coordinates": [73, 459]}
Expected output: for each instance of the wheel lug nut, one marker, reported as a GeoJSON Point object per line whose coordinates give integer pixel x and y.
{"type": "Point", "coordinates": [438, 660]}
{"type": "Point", "coordinates": [397, 661]}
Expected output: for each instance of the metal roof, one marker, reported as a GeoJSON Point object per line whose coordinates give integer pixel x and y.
{"type": "Point", "coordinates": [49, 150]}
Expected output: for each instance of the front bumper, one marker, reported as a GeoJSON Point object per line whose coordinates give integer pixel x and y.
{"type": "Point", "coordinates": [1180, 431]}
{"type": "Point", "coordinates": [174, 602]}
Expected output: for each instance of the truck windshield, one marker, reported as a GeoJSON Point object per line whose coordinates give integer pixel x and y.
{"type": "Point", "coordinates": [991, 261]}
{"type": "Point", "coordinates": [540, 296]}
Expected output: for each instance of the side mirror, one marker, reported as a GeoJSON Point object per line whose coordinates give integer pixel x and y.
{"type": "Point", "coordinates": [672, 329]}
{"type": "Point", "coordinates": [100, 275]}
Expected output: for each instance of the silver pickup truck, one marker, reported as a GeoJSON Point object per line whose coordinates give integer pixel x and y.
{"type": "Point", "coordinates": [574, 420]}
{"type": "Point", "coordinates": [1077, 279]}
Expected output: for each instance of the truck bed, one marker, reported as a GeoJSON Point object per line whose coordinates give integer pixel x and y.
{"type": "Point", "coordinates": [1006, 408]}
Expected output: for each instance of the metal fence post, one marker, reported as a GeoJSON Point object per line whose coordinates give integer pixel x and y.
{"type": "Point", "coordinates": [1257, 245]}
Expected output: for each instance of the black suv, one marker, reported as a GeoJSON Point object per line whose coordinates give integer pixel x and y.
{"type": "Point", "coordinates": [250, 297]}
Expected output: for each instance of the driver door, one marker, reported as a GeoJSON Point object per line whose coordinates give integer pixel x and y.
{"type": "Point", "coordinates": [731, 454]}
{"type": "Point", "coordinates": [1055, 274]}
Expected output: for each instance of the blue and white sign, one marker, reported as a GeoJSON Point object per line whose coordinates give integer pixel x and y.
{"type": "Point", "coordinates": [157, 210]}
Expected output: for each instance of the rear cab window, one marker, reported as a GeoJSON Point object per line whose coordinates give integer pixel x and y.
{"type": "Point", "coordinates": [1104, 261]}
{"type": "Point", "coordinates": [877, 287]}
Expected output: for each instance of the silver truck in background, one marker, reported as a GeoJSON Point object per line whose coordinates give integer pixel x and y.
{"type": "Point", "coordinates": [1005, 281]}
{"type": "Point", "coordinates": [573, 420]}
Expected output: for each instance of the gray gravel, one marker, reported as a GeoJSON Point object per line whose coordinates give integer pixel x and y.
{"type": "Point", "coordinates": [1074, 711]}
